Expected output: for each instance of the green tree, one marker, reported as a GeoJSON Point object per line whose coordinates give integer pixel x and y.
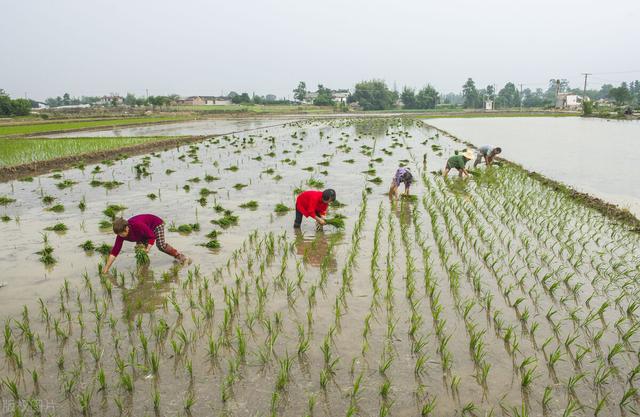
{"type": "Point", "coordinates": [508, 96]}
{"type": "Point", "coordinates": [373, 95]}
{"type": "Point", "coordinates": [21, 107]}
{"type": "Point", "coordinates": [66, 100]}
{"type": "Point", "coordinates": [6, 107]}
{"type": "Point", "coordinates": [408, 98]}
{"type": "Point", "coordinates": [241, 99]}
{"type": "Point", "coordinates": [620, 95]}
{"type": "Point", "coordinates": [490, 91]}
{"type": "Point", "coordinates": [324, 97]}
{"type": "Point", "coordinates": [300, 92]}
{"type": "Point", "coordinates": [130, 99]}
{"type": "Point", "coordinates": [471, 98]}
{"type": "Point", "coordinates": [427, 98]}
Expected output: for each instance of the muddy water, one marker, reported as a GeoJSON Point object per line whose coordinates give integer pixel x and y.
{"type": "Point", "coordinates": [195, 128]}
{"type": "Point", "coordinates": [597, 156]}
{"type": "Point", "coordinates": [502, 232]}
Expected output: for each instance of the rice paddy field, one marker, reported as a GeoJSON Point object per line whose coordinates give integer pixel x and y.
{"type": "Point", "coordinates": [11, 129]}
{"type": "Point", "coordinates": [28, 150]}
{"type": "Point", "coordinates": [492, 296]}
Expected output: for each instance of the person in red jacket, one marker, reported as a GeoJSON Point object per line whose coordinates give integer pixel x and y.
{"type": "Point", "coordinates": [313, 204]}
{"type": "Point", "coordinates": [143, 229]}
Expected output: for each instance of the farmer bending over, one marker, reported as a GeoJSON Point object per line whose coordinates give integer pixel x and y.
{"type": "Point", "coordinates": [488, 153]}
{"type": "Point", "coordinates": [143, 229]}
{"type": "Point", "coordinates": [458, 162]}
{"type": "Point", "coordinates": [313, 204]}
{"type": "Point", "coordinates": [403, 175]}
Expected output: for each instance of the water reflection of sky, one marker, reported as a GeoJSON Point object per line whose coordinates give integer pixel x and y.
{"type": "Point", "coordinates": [597, 156]}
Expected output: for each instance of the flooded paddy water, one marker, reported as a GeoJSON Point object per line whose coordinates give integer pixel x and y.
{"type": "Point", "coordinates": [193, 128]}
{"type": "Point", "coordinates": [597, 156]}
{"type": "Point", "coordinates": [491, 296]}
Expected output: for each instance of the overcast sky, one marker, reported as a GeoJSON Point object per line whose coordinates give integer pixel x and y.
{"type": "Point", "coordinates": [206, 47]}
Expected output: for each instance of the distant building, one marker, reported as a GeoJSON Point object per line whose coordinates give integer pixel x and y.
{"type": "Point", "coordinates": [270, 97]}
{"type": "Point", "coordinates": [488, 104]}
{"type": "Point", "coordinates": [204, 101]}
{"type": "Point", "coordinates": [340, 96]}
{"type": "Point", "coordinates": [569, 101]}
{"type": "Point", "coordinates": [110, 101]}
{"type": "Point", "coordinates": [74, 106]}
{"type": "Point", "coordinates": [37, 105]}
{"type": "Point", "coordinates": [310, 97]}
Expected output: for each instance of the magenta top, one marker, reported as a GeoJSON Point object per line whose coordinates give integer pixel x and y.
{"type": "Point", "coordinates": [140, 230]}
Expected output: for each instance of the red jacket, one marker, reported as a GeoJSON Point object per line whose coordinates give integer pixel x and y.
{"type": "Point", "coordinates": [310, 203]}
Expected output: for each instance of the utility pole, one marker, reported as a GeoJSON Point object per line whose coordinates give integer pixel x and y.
{"type": "Point", "coordinates": [584, 93]}
{"type": "Point", "coordinates": [520, 96]}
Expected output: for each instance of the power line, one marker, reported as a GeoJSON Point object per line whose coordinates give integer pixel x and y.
{"type": "Point", "coordinates": [616, 72]}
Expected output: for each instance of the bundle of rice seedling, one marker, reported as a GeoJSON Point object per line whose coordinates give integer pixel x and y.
{"type": "Point", "coordinates": [142, 257]}
{"type": "Point", "coordinates": [336, 221]}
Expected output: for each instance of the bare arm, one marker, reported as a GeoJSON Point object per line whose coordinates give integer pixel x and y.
{"type": "Point", "coordinates": [106, 267]}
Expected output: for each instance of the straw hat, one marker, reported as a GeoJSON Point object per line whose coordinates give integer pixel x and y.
{"type": "Point", "coordinates": [468, 153]}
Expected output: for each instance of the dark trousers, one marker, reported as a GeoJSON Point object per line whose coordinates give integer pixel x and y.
{"type": "Point", "coordinates": [298, 221]}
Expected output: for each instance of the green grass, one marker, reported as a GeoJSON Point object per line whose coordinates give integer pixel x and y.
{"type": "Point", "coordinates": [28, 129]}
{"type": "Point", "coordinates": [23, 151]}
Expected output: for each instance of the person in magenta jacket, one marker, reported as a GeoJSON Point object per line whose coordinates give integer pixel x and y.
{"type": "Point", "coordinates": [142, 229]}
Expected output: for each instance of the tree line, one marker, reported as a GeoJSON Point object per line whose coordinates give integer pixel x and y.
{"type": "Point", "coordinates": [13, 107]}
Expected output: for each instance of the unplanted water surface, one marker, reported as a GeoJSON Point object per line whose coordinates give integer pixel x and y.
{"type": "Point", "coordinates": [490, 294]}
{"type": "Point", "coordinates": [597, 156]}
{"type": "Point", "coordinates": [195, 128]}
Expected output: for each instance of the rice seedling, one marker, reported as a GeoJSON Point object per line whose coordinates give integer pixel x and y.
{"type": "Point", "coordinates": [252, 205]}
{"type": "Point", "coordinates": [226, 221]}
{"type": "Point", "coordinates": [337, 221]}
{"type": "Point", "coordinates": [141, 255]}
{"type": "Point", "coordinates": [112, 210]}
{"type": "Point", "coordinates": [5, 201]}
{"type": "Point", "coordinates": [315, 183]}
{"type": "Point", "coordinates": [58, 208]}
{"type": "Point", "coordinates": [58, 227]}
{"type": "Point", "coordinates": [281, 208]}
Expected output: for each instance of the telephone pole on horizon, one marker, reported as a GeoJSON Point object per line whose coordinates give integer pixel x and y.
{"type": "Point", "coordinates": [520, 96]}
{"type": "Point", "coordinates": [584, 92]}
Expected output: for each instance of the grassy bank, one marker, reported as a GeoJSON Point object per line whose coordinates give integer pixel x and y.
{"type": "Point", "coordinates": [28, 150]}
{"type": "Point", "coordinates": [30, 129]}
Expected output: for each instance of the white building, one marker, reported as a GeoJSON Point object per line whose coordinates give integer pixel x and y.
{"type": "Point", "coordinates": [340, 96]}
{"type": "Point", "coordinates": [569, 101]}
{"type": "Point", "coordinates": [488, 104]}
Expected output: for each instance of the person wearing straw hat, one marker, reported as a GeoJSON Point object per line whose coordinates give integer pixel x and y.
{"type": "Point", "coordinates": [458, 161]}
{"type": "Point", "coordinates": [488, 153]}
